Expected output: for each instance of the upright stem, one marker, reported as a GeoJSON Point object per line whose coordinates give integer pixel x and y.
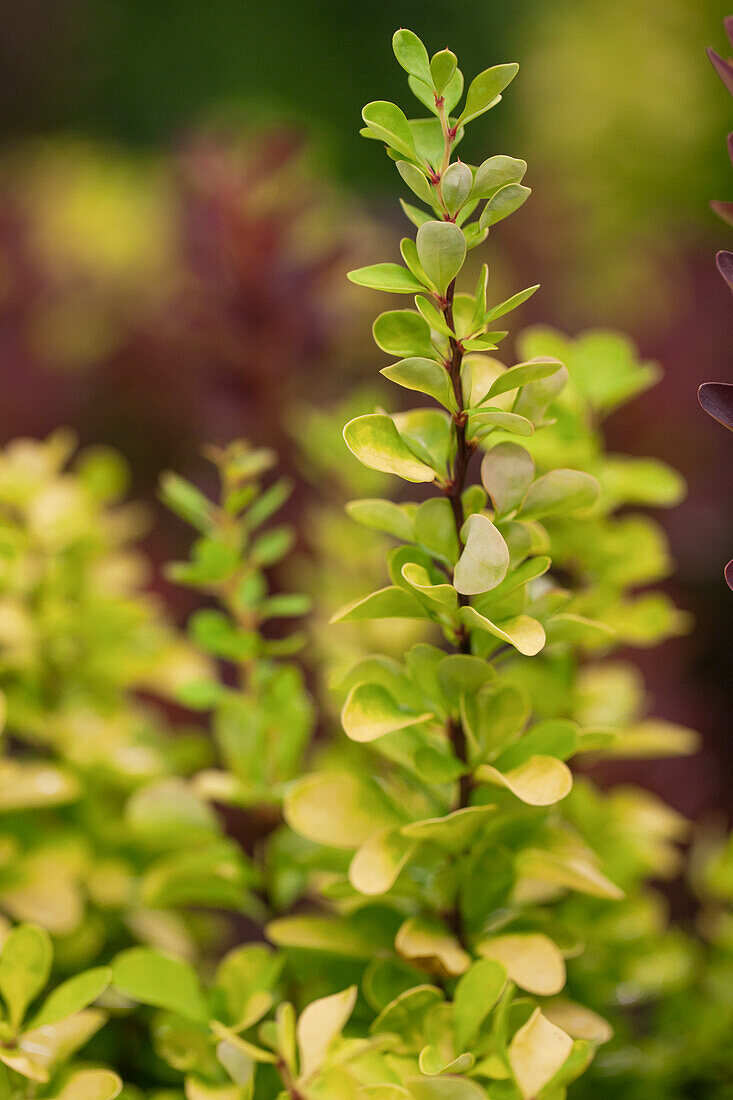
{"type": "Point", "coordinates": [457, 481]}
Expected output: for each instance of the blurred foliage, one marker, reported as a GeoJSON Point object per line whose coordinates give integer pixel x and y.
{"type": "Point", "coordinates": [151, 300]}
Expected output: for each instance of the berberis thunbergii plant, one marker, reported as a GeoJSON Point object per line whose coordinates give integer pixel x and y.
{"type": "Point", "coordinates": [454, 826]}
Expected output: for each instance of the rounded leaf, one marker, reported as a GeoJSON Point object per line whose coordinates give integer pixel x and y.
{"type": "Point", "coordinates": [341, 810]}
{"type": "Point", "coordinates": [148, 976]}
{"type": "Point", "coordinates": [370, 712]}
{"type": "Point", "coordinates": [536, 1053]}
{"type": "Point", "coordinates": [423, 376]}
{"type": "Point", "coordinates": [72, 995]}
{"type": "Point", "coordinates": [412, 55]}
{"type": "Point", "coordinates": [387, 122]}
{"type": "Point", "coordinates": [403, 332]}
{"type": "Point", "coordinates": [393, 278]}
{"type": "Point", "coordinates": [25, 964]}
{"type": "Point", "coordinates": [539, 781]}
{"type": "Point", "coordinates": [429, 944]}
{"type": "Point", "coordinates": [503, 203]}
{"type": "Point", "coordinates": [441, 248]}
{"type": "Point", "coordinates": [531, 960]}
{"type": "Point", "coordinates": [485, 558]}
{"type": "Point", "coordinates": [559, 491]}
{"type": "Point", "coordinates": [320, 1023]}
{"type": "Point", "coordinates": [377, 864]}
{"type": "Point", "coordinates": [90, 1084]}
{"type": "Point", "coordinates": [483, 90]}
{"type": "Point", "coordinates": [507, 471]}
{"type": "Point", "coordinates": [375, 441]}
{"type": "Point", "coordinates": [477, 992]}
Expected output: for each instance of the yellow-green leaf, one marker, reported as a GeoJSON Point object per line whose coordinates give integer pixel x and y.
{"type": "Point", "coordinates": [531, 959]}
{"type": "Point", "coordinates": [539, 781]}
{"type": "Point", "coordinates": [485, 557]}
{"type": "Point", "coordinates": [370, 712]}
{"type": "Point", "coordinates": [536, 1053]}
{"type": "Point", "coordinates": [319, 1025]}
{"type": "Point", "coordinates": [339, 809]}
{"type": "Point", "coordinates": [375, 441]}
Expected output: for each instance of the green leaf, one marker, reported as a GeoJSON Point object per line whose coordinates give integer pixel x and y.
{"type": "Point", "coordinates": [147, 976]}
{"type": "Point", "coordinates": [435, 529]}
{"type": "Point", "coordinates": [523, 632]}
{"type": "Point", "coordinates": [323, 934]}
{"type": "Point", "coordinates": [412, 55]}
{"type": "Point", "coordinates": [533, 399]}
{"type": "Point", "coordinates": [370, 712]}
{"type": "Point", "coordinates": [186, 501]}
{"type": "Point", "coordinates": [168, 812]}
{"type": "Point", "coordinates": [456, 185]}
{"type": "Point", "coordinates": [71, 996]}
{"type": "Point", "coordinates": [507, 471]}
{"type": "Point", "coordinates": [428, 434]}
{"type": "Point", "coordinates": [433, 316]}
{"type": "Point", "coordinates": [90, 1084]}
{"type": "Point", "coordinates": [408, 250]}
{"type": "Point", "coordinates": [414, 214]}
{"type": "Point", "coordinates": [572, 871]}
{"type": "Point", "coordinates": [531, 959]}
{"type": "Point", "coordinates": [417, 181]}
{"type": "Point", "coordinates": [340, 810]}
{"type": "Point", "coordinates": [503, 203]}
{"type": "Point", "coordinates": [390, 277]}
{"type": "Point", "coordinates": [441, 248]}
{"type": "Point", "coordinates": [454, 832]}
{"type": "Point", "coordinates": [536, 1053]}
{"type": "Point", "coordinates": [554, 737]}
{"type": "Point", "coordinates": [510, 303]}
{"type": "Point", "coordinates": [461, 673]}
{"type": "Point", "coordinates": [25, 964]}
{"type": "Point", "coordinates": [424, 376]}
{"type": "Point", "coordinates": [386, 603]}
{"type": "Point", "coordinates": [483, 421]}
{"type": "Point", "coordinates": [479, 297]}
{"type": "Point", "coordinates": [559, 491]}
{"type": "Point", "coordinates": [320, 1023]}
{"type": "Point", "coordinates": [476, 994]}
{"type": "Point", "coordinates": [418, 577]}
{"type": "Point", "coordinates": [382, 515]}
{"type": "Point", "coordinates": [538, 781]}
{"type": "Point", "coordinates": [375, 441]}
{"type": "Point", "coordinates": [496, 172]}
{"type": "Point", "coordinates": [405, 1015]}
{"type": "Point", "coordinates": [442, 68]}
{"type": "Point", "coordinates": [388, 123]}
{"type": "Point", "coordinates": [485, 557]}
{"type": "Point", "coordinates": [522, 374]}
{"type": "Point", "coordinates": [444, 1088]}
{"type": "Point", "coordinates": [402, 332]}
{"type": "Point", "coordinates": [483, 90]}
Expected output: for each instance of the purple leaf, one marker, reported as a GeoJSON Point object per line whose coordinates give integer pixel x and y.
{"type": "Point", "coordinates": [728, 573]}
{"type": "Point", "coordinates": [724, 210]}
{"type": "Point", "coordinates": [724, 260]}
{"type": "Point", "coordinates": [716, 399]}
{"type": "Point", "coordinates": [730, 146]}
{"type": "Point", "coordinates": [724, 69]}
{"type": "Point", "coordinates": [728, 24]}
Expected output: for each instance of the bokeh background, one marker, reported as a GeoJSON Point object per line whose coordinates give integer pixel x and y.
{"type": "Point", "coordinates": [182, 188]}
